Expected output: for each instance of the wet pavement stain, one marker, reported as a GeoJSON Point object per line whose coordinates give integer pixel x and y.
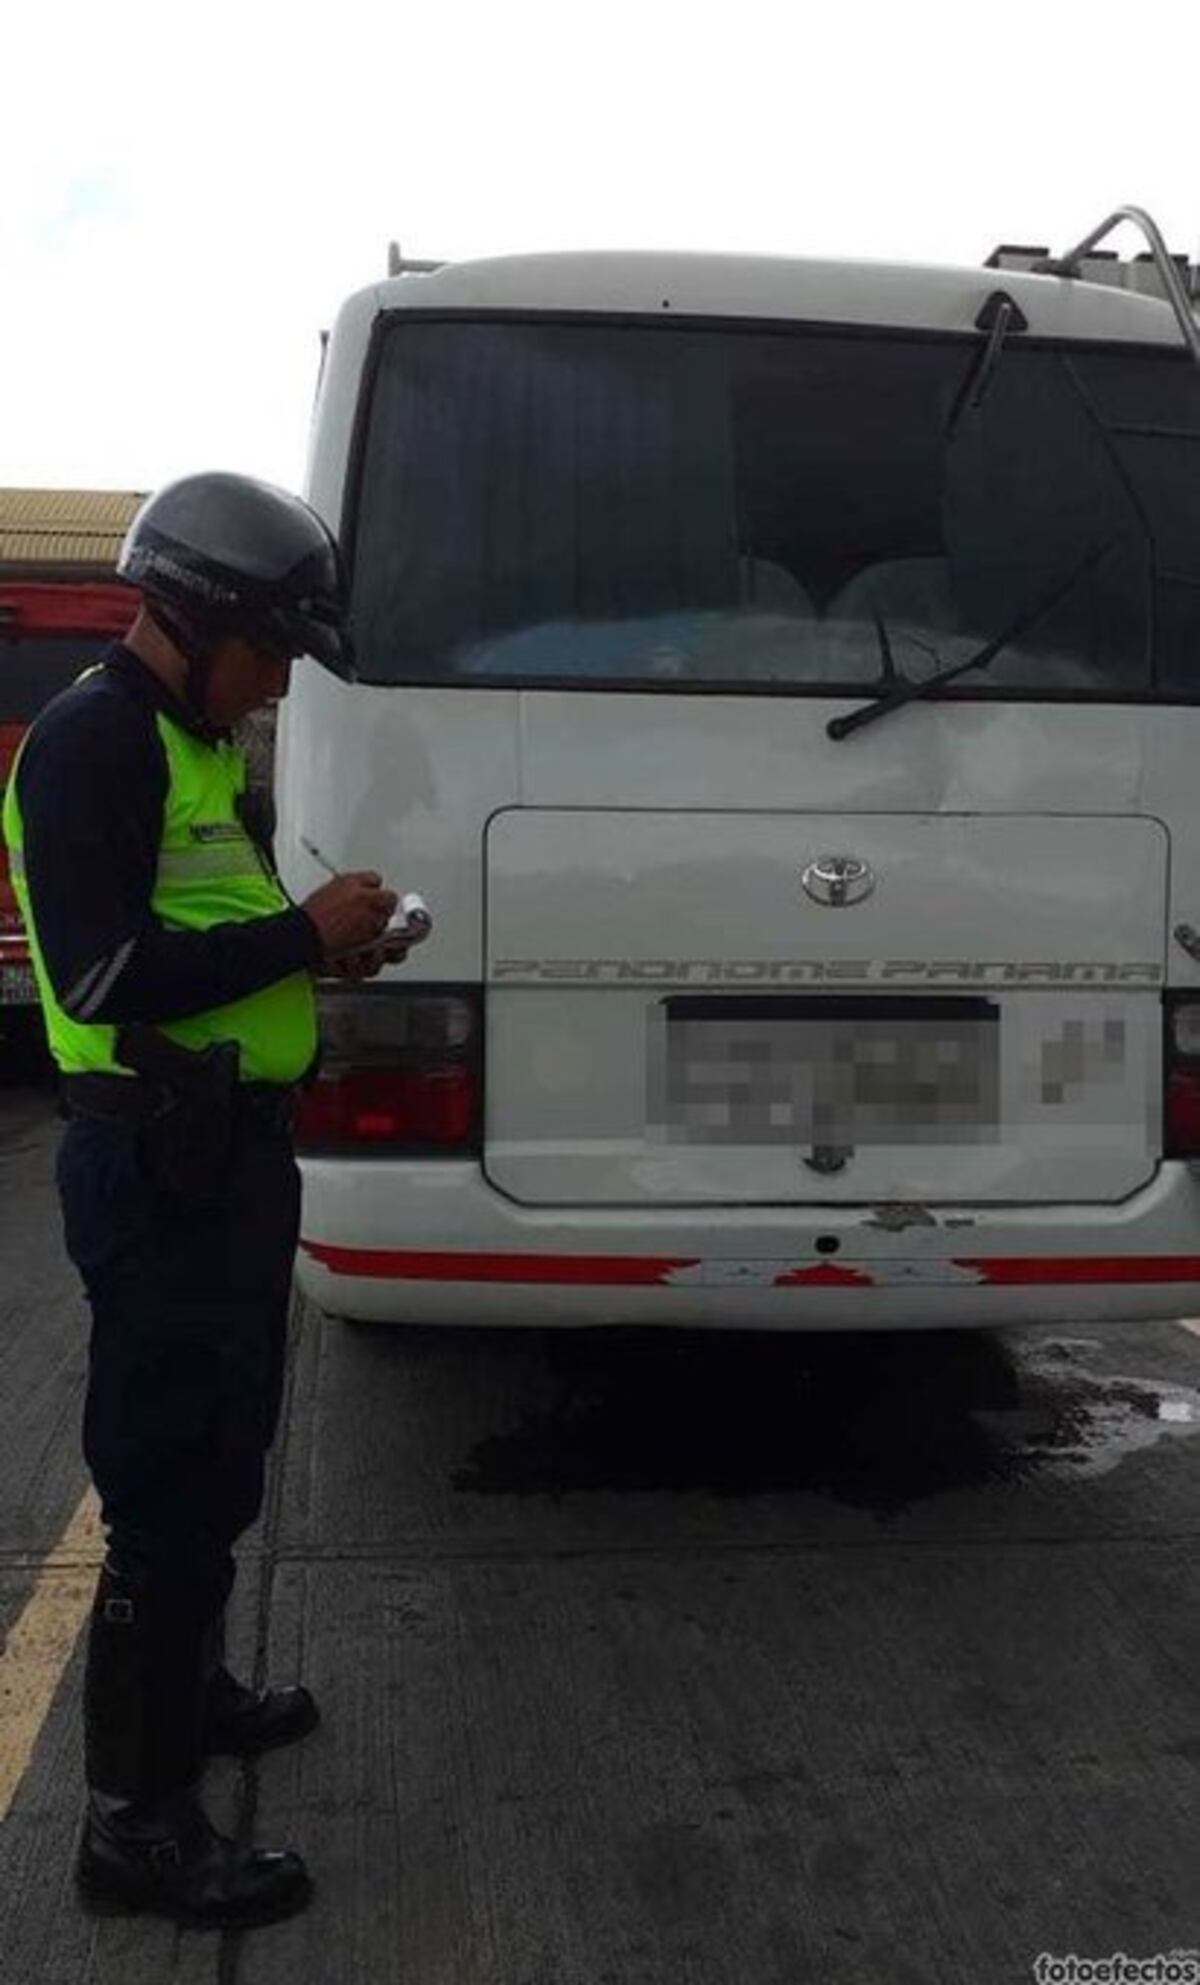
{"type": "Point", "coordinates": [1088, 1422]}
{"type": "Point", "coordinates": [874, 1420]}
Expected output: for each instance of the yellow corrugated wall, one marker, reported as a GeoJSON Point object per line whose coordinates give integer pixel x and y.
{"type": "Point", "coordinates": [64, 526]}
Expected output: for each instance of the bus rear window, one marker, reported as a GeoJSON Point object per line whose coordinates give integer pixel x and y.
{"type": "Point", "coordinates": [600, 504]}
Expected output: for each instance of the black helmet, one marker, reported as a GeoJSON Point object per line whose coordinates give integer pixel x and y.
{"type": "Point", "coordinates": [229, 554]}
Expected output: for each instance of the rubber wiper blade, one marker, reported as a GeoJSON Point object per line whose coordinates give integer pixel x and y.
{"type": "Point", "coordinates": [907, 690]}
{"type": "Point", "coordinates": [888, 672]}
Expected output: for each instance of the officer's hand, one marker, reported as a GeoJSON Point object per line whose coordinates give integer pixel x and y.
{"type": "Point", "coordinates": [360, 964]}
{"type": "Point", "coordinates": [368, 964]}
{"type": "Point", "coordinates": [351, 910]}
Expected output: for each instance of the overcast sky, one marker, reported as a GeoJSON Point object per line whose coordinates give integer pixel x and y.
{"type": "Point", "coordinates": [188, 191]}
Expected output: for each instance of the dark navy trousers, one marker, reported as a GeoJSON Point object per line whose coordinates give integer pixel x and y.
{"type": "Point", "coordinates": [189, 1320]}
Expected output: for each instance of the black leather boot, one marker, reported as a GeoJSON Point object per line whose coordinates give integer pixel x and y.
{"type": "Point", "coordinates": [147, 1843]}
{"type": "Point", "coordinates": [167, 1859]}
{"type": "Point", "coordinates": [241, 1722]}
{"type": "Point", "coordinates": [143, 1688]}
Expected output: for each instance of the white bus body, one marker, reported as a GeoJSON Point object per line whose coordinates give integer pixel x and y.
{"type": "Point", "coordinates": [726, 1020]}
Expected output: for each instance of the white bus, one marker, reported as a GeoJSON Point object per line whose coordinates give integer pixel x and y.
{"type": "Point", "coordinates": [782, 680]}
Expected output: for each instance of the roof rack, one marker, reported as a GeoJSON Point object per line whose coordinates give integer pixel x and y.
{"type": "Point", "coordinates": [398, 266]}
{"type": "Point", "coordinates": [1154, 272]}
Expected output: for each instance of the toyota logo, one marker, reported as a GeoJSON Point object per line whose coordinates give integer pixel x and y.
{"type": "Point", "coordinates": [838, 880]}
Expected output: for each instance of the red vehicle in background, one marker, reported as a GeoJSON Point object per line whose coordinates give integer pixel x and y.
{"type": "Point", "coordinates": [60, 607]}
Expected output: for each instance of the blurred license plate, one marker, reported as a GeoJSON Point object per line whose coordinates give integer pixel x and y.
{"type": "Point", "coordinates": [826, 1071]}
{"type": "Point", "coordinates": [17, 986]}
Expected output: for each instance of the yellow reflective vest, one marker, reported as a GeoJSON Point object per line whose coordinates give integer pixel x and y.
{"type": "Point", "coordinates": [210, 872]}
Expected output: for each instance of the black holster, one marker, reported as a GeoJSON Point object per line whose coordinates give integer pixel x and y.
{"type": "Point", "coordinates": [186, 1143]}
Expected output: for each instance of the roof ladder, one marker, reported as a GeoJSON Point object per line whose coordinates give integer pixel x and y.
{"type": "Point", "coordinates": [1164, 262]}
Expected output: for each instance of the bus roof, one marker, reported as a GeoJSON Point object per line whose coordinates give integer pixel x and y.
{"type": "Point", "coordinates": [907, 296]}
{"type": "Point", "coordinates": [47, 530]}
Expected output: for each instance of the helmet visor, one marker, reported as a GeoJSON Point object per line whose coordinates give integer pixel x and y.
{"type": "Point", "coordinates": [312, 627]}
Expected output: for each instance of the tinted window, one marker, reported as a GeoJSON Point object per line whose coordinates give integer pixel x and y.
{"type": "Point", "coordinates": [34, 667]}
{"type": "Point", "coordinates": [590, 503]}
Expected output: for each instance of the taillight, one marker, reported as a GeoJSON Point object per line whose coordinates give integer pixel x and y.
{"type": "Point", "coordinates": [400, 1072]}
{"type": "Point", "coordinates": [1181, 1129]}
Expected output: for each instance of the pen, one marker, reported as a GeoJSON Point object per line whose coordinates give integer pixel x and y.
{"type": "Point", "coordinates": [317, 856]}
{"type": "Point", "coordinates": [416, 921]}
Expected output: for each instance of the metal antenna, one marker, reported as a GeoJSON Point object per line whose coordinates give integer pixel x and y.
{"type": "Point", "coordinates": [398, 265]}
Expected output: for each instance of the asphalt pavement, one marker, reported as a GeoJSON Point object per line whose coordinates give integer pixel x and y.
{"type": "Point", "coordinates": [655, 1658]}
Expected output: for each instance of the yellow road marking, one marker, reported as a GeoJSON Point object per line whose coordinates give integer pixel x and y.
{"type": "Point", "coordinates": [43, 1639]}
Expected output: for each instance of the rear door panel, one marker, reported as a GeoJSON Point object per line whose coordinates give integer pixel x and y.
{"type": "Point", "coordinates": [674, 1020]}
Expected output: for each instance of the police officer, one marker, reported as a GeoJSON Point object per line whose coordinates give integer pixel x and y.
{"type": "Point", "coordinates": [176, 980]}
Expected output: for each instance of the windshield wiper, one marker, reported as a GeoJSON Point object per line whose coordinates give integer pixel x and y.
{"type": "Point", "coordinates": [906, 690]}
{"type": "Point", "coordinates": [999, 317]}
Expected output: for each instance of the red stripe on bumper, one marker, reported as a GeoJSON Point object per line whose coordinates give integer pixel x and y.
{"type": "Point", "coordinates": [403, 1265]}
{"type": "Point", "coordinates": [825, 1275]}
{"type": "Point", "coordinates": [649, 1271]}
{"type": "Point", "coordinates": [1015, 1269]}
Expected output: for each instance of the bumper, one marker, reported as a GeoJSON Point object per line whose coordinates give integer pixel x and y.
{"type": "Point", "coordinates": [434, 1243]}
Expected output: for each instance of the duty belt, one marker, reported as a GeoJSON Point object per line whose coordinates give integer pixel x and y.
{"type": "Point", "coordinates": [135, 1099]}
